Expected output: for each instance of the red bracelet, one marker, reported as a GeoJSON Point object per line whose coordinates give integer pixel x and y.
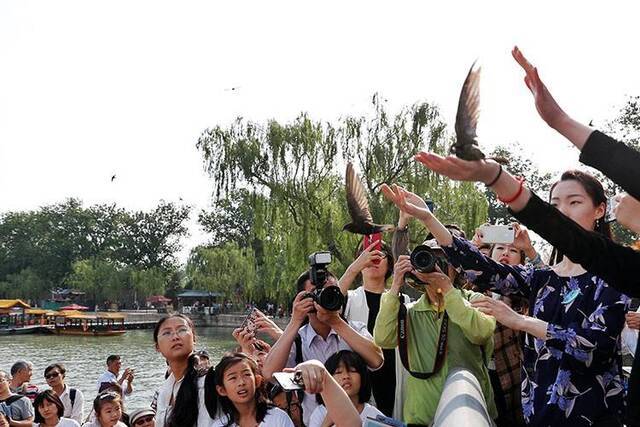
{"type": "Point", "coordinates": [514, 198]}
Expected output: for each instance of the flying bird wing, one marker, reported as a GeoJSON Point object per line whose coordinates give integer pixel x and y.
{"type": "Point", "coordinates": [468, 109]}
{"type": "Point", "coordinates": [357, 198]}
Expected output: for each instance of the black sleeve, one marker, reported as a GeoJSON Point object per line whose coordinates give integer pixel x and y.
{"type": "Point", "coordinates": [618, 265]}
{"type": "Point", "coordinates": [616, 160]}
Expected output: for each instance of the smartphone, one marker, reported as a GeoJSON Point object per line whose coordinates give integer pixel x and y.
{"type": "Point", "coordinates": [497, 233]}
{"type": "Point", "coordinates": [370, 239]}
{"type": "Point", "coordinates": [289, 380]}
{"type": "Point", "coordinates": [249, 322]}
{"type": "Point", "coordinates": [610, 216]}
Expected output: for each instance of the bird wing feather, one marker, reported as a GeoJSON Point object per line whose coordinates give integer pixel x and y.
{"type": "Point", "coordinates": [468, 109]}
{"type": "Point", "coordinates": [357, 197]}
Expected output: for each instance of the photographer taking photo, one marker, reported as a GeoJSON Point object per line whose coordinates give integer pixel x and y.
{"type": "Point", "coordinates": [325, 334]}
{"type": "Point", "coordinates": [440, 331]}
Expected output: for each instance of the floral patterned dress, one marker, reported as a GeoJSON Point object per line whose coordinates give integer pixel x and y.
{"type": "Point", "coordinates": [574, 377]}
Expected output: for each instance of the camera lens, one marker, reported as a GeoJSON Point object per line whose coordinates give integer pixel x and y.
{"type": "Point", "coordinates": [423, 259]}
{"type": "Point", "coordinates": [331, 298]}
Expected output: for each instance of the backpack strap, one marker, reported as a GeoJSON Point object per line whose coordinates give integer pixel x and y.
{"type": "Point", "coordinates": [298, 343]}
{"type": "Point", "coordinates": [72, 396]}
{"type": "Point", "coordinates": [13, 398]}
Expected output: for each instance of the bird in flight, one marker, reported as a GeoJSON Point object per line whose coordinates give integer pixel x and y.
{"type": "Point", "coordinates": [466, 146]}
{"type": "Point", "coordinates": [113, 177]}
{"type": "Point", "coordinates": [361, 219]}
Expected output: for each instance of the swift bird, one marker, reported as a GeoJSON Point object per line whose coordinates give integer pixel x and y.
{"type": "Point", "coordinates": [466, 146]}
{"type": "Point", "coordinates": [361, 220]}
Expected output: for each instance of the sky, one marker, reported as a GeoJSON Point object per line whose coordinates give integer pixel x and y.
{"type": "Point", "coordinates": [90, 89]}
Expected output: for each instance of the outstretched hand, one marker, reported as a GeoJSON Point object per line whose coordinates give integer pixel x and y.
{"type": "Point", "coordinates": [460, 170]}
{"type": "Point", "coordinates": [408, 202]}
{"type": "Point", "coordinates": [547, 107]}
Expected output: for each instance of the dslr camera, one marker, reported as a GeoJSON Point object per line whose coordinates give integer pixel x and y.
{"type": "Point", "coordinates": [329, 298]}
{"type": "Point", "coordinates": [424, 259]}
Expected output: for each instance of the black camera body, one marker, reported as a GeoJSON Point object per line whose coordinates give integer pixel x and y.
{"type": "Point", "coordinates": [329, 298]}
{"type": "Point", "coordinates": [424, 259]}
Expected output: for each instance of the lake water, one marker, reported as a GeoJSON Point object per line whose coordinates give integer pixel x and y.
{"type": "Point", "coordinates": [85, 359]}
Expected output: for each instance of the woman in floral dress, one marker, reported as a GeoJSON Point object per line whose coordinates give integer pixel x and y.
{"type": "Point", "coordinates": [572, 373]}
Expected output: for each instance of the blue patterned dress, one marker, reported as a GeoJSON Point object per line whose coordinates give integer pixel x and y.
{"type": "Point", "coordinates": [574, 377]}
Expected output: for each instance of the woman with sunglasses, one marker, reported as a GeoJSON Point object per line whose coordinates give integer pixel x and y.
{"type": "Point", "coordinates": [72, 399]}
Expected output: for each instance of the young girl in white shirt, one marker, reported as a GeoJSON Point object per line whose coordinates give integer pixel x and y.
{"type": "Point", "coordinates": [242, 397]}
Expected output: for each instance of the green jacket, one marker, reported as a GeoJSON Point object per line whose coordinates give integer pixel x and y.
{"type": "Point", "coordinates": [469, 346]}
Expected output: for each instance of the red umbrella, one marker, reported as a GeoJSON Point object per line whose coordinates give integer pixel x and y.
{"type": "Point", "coordinates": [75, 307]}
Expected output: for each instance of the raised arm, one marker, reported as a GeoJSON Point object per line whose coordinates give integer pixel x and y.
{"type": "Point", "coordinates": [581, 246]}
{"type": "Point", "coordinates": [613, 158]}
{"type": "Point", "coordinates": [278, 356]}
{"type": "Point", "coordinates": [385, 331]}
{"type": "Point", "coordinates": [367, 258]}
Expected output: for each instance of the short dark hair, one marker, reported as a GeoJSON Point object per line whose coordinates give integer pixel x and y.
{"type": "Point", "coordinates": [351, 360]}
{"type": "Point", "coordinates": [59, 366]}
{"type": "Point", "coordinates": [302, 279]}
{"type": "Point", "coordinates": [18, 366]}
{"type": "Point", "coordinates": [113, 358]}
{"type": "Point", "coordinates": [49, 396]}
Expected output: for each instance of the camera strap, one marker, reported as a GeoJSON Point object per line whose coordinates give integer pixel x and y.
{"type": "Point", "coordinates": [403, 343]}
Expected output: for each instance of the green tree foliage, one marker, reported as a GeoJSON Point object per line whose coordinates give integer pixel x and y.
{"type": "Point", "coordinates": [227, 269]}
{"type": "Point", "coordinates": [107, 251]}
{"type": "Point", "coordinates": [279, 188]}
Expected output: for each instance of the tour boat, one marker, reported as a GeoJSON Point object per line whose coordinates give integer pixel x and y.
{"type": "Point", "coordinates": [99, 324]}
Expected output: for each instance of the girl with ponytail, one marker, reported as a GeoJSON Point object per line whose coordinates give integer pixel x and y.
{"type": "Point", "coordinates": [181, 396]}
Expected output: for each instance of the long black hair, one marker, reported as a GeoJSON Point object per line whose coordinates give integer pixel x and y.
{"type": "Point", "coordinates": [351, 360]}
{"type": "Point", "coordinates": [596, 193]}
{"type": "Point", "coordinates": [227, 406]}
{"type": "Point", "coordinates": [185, 410]}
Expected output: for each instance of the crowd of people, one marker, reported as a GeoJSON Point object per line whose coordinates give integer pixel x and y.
{"type": "Point", "coordinates": [543, 337]}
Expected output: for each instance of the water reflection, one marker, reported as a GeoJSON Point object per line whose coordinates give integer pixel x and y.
{"type": "Point", "coordinates": [85, 358]}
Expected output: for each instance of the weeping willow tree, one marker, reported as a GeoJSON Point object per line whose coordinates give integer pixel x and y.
{"type": "Point", "coordinates": [279, 188]}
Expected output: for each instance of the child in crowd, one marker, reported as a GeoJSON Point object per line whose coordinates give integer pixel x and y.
{"type": "Point", "coordinates": [108, 409]}
{"type": "Point", "coordinates": [351, 372]}
{"type": "Point", "coordinates": [242, 395]}
{"type": "Point", "coordinates": [181, 397]}
{"type": "Point", "coordinates": [50, 411]}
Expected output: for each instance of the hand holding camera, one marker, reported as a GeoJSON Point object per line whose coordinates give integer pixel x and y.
{"type": "Point", "coordinates": [330, 297]}
{"type": "Point", "coordinates": [369, 257]}
{"type": "Point", "coordinates": [246, 339]}
{"type": "Point", "coordinates": [302, 306]}
{"type": "Point", "coordinates": [267, 326]}
{"type": "Point", "coordinates": [328, 317]}
{"type": "Point", "coordinates": [309, 375]}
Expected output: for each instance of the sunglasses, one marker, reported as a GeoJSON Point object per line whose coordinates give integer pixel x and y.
{"type": "Point", "coordinates": [52, 375]}
{"type": "Point", "coordinates": [144, 420]}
